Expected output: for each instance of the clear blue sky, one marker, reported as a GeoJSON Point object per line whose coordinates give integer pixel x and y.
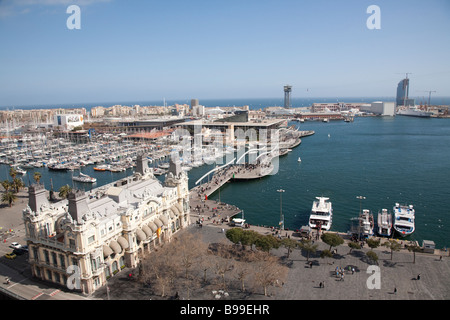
{"type": "Point", "coordinates": [182, 49]}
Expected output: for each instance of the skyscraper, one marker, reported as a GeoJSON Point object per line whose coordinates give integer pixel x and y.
{"type": "Point", "coordinates": [403, 94]}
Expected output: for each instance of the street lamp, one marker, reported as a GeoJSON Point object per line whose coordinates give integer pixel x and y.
{"type": "Point", "coordinates": [361, 198]}
{"type": "Point", "coordinates": [106, 265]}
{"type": "Point", "coordinates": [281, 209]}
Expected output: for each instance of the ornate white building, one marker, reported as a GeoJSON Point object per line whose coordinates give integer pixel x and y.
{"type": "Point", "coordinates": [82, 241]}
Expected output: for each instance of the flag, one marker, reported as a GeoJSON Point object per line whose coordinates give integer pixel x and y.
{"type": "Point", "coordinates": [158, 232]}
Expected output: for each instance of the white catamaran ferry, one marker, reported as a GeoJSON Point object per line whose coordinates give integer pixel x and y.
{"type": "Point", "coordinates": [384, 223]}
{"type": "Point", "coordinates": [321, 214]}
{"type": "Point", "coordinates": [404, 219]}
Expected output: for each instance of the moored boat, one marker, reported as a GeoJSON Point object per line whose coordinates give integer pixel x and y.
{"type": "Point", "coordinates": [367, 223]}
{"type": "Point", "coordinates": [404, 219]}
{"type": "Point", "coordinates": [84, 178]}
{"type": "Point", "coordinates": [384, 221]}
{"type": "Point", "coordinates": [321, 214]}
{"type": "Point", "coordinates": [101, 168]}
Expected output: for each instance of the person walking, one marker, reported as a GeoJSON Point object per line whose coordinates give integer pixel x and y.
{"type": "Point", "coordinates": [418, 276]}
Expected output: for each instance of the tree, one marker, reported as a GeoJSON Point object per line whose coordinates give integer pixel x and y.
{"type": "Point", "coordinates": [326, 254]}
{"type": "Point", "coordinates": [267, 242]}
{"type": "Point", "coordinates": [6, 184]}
{"type": "Point", "coordinates": [9, 197]}
{"type": "Point", "coordinates": [242, 270]}
{"type": "Point", "coordinates": [414, 248]}
{"type": "Point", "coordinates": [268, 271]}
{"type": "Point", "coordinates": [64, 191]}
{"type": "Point", "coordinates": [13, 173]}
{"type": "Point", "coordinates": [353, 245]}
{"type": "Point", "coordinates": [289, 244]}
{"type": "Point", "coordinates": [37, 177]}
{"type": "Point", "coordinates": [372, 256]}
{"type": "Point", "coordinates": [234, 235]}
{"type": "Point", "coordinates": [309, 247]}
{"type": "Point", "coordinates": [17, 184]}
{"type": "Point", "coordinates": [373, 243]}
{"type": "Point", "coordinates": [392, 245]}
{"type": "Point", "coordinates": [332, 239]}
{"type": "Point", "coordinates": [249, 237]}
{"type": "Point", "coordinates": [223, 266]}
{"type": "Point", "coordinates": [189, 251]}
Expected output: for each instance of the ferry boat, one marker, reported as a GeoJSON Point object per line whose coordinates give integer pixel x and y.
{"type": "Point", "coordinates": [384, 221]}
{"type": "Point", "coordinates": [84, 178]}
{"type": "Point", "coordinates": [321, 214]}
{"type": "Point", "coordinates": [404, 217]}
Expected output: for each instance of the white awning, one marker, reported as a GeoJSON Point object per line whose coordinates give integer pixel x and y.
{"type": "Point", "coordinates": [158, 222]}
{"type": "Point", "coordinates": [164, 220]}
{"type": "Point", "coordinates": [147, 230]}
{"type": "Point", "coordinates": [107, 251]}
{"type": "Point", "coordinates": [123, 242]}
{"type": "Point", "coordinates": [141, 236]}
{"type": "Point", "coordinates": [153, 226]}
{"type": "Point", "coordinates": [115, 247]}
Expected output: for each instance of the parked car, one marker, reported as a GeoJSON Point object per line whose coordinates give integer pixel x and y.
{"type": "Point", "coordinates": [19, 252]}
{"type": "Point", "coordinates": [15, 245]}
{"type": "Point", "coordinates": [10, 256]}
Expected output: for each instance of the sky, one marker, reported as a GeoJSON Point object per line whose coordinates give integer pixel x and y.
{"type": "Point", "coordinates": [138, 50]}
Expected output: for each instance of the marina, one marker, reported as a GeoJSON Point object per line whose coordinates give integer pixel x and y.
{"type": "Point", "coordinates": [338, 177]}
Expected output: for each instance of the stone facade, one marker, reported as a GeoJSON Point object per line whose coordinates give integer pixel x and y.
{"type": "Point", "coordinates": [82, 241]}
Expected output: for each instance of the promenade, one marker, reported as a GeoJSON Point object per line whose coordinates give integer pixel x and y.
{"type": "Point", "coordinates": [301, 283]}
{"type": "Point", "coordinates": [400, 273]}
{"type": "Point", "coordinates": [234, 172]}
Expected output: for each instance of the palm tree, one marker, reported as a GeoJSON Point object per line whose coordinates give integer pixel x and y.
{"type": "Point", "coordinates": [37, 177]}
{"type": "Point", "coordinates": [6, 184]}
{"type": "Point", "coordinates": [64, 191]}
{"type": "Point", "coordinates": [9, 197]}
{"type": "Point", "coordinates": [17, 184]}
{"type": "Point", "coordinates": [13, 173]}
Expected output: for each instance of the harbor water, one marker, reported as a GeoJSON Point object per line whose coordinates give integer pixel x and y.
{"type": "Point", "coordinates": [387, 160]}
{"type": "Point", "coordinates": [384, 159]}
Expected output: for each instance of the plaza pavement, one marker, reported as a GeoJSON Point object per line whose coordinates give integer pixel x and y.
{"type": "Point", "coordinates": [303, 281]}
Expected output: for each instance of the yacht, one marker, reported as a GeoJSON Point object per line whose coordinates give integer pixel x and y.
{"type": "Point", "coordinates": [366, 223]}
{"type": "Point", "coordinates": [321, 214]}
{"type": "Point", "coordinates": [413, 112]}
{"type": "Point", "coordinates": [84, 178]}
{"type": "Point", "coordinates": [21, 171]}
{"type": "Point", "coordinates": [384, 223]}
{"type": "Point", "coordinates": [404, 219]}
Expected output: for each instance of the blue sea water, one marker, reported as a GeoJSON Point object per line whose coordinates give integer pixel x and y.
{"type": "Point", "coordinates": [253, 103]}
{"type": "Point", "coordinates": [384, 159]}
